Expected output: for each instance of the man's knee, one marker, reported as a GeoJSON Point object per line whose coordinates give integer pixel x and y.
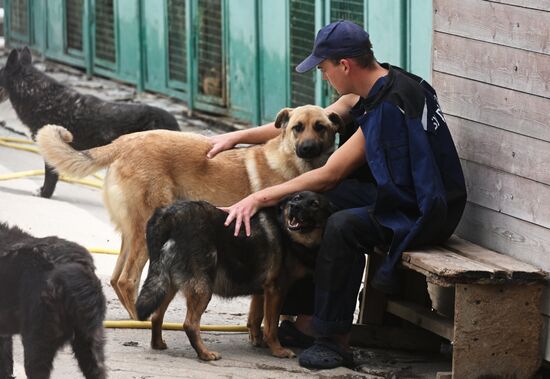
{"type": "Point", "coordinates": [342, 226]}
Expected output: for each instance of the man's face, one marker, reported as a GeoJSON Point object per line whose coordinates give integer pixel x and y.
{"type": "Point", "coordinates": [336, 75]}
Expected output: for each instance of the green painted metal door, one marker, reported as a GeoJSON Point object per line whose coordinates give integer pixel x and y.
{"type": "Point", "coordinates": [302, 34]}
{"type": "Point", "coordinates": [154, 44]}
{"type": "Point", "coordinates": [177, 44]}
{"type": "Point", "coordinates": [18, 20]}
{"type": "Point", "coordinates": [274, 60]}
{"type": "Point", "coordinates": [210, 68]}
{"type": "Point", "coordinates": [104, 34]}
{"type": "Point", "coordinates": [74, 17]}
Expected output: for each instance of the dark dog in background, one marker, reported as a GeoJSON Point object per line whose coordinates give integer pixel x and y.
{"type": "Point", "coordinates": [50, 295]}
{"type": "Point", "coordinates": [191, 250]}
{"type": "Point", "coordinates": [40, 100]}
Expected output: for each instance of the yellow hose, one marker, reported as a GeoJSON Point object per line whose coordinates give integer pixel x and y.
{"type": "Point", "coordinates": [21, 174]}
{"type": "Point", "coordinates": [101, 250]}
{"type": "Point", "coordinates": [17, 140]}
{"type": "Point", "coordinates": [65, 178]}
{"type": "Point", "coordinates": [16, 146]}
{"type": "Point", "coordinates": [130, 324]}
{"type": "Point", "coordinates": [13, 143]}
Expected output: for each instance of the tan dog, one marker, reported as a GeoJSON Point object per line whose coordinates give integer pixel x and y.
{"type": "Point", "coordinates": [152, 169]}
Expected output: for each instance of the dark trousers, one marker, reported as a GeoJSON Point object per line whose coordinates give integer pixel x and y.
{"type": "Point", "coordinates": [349, 234]}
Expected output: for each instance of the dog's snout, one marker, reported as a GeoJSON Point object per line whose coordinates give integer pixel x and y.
{"type": "Point", "coordinates": [309, 149]}
{"type": "Point", "coordinates": [294, 206]}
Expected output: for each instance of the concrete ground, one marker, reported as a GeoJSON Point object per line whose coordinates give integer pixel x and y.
{"type": "Point", "coordinates": [76, 213]}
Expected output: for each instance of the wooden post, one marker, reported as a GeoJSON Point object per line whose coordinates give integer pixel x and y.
{"type": "Point", "coordinates": [497, 330]}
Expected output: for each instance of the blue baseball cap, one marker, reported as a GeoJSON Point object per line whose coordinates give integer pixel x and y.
{"type": "Point", "coordinates": [340, 39]}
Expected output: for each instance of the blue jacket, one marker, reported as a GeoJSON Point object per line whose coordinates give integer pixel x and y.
{"type": "Point", "coordinates": [421, 192]}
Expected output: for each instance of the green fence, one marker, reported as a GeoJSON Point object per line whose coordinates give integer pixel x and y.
{"type": "Point", "coordinates": [233, 58]}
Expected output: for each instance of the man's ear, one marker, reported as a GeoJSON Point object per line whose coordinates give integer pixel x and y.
{"type": "Point", "coordinates": [13, 61]}
{"type": "Point", "coordinates": [25, 57]}
{"type": "Point", "coordinates": [337, 122]}
{"type": "Point", "coordinates": [282, 117]}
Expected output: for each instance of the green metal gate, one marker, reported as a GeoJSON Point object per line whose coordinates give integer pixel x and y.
{"type": "Point", "coordinates": [104, 41]}
{"type": "Point", "coordinates": [177, 41]}
{"type": "Point", "coordinates": [74, 14]}
{"type": "Point", "coordinates": [302, 34]}
{"type": "Point", "coordinates": [19, 20]}
{"type": "Point", "coordinates": [210, 68]}
{"type": "Point", "coordinates": [232, 58]}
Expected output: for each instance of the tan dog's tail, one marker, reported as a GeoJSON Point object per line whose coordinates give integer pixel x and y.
{"type": "Point", "coordinates": [53, 143]}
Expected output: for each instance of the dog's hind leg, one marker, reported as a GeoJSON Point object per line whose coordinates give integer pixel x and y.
{"type": "Point", "coordinates": [121, 260]}
{"type": "Point", "coordinates": [273, 303]}
{"type": "Point", "coordinates": [197, 301]}
{"type": "Point", "coordinates": [6, 358]}
{"type": "Point", "coordinates": [157, 342]}
{"type": "Point", "coordinates": [40, 351]}
{"type": "Point", "coordinates": [88, 350]}
{"type": "Point", "coordinates": [128, 281]}
{"type": "Point", "coordinates": [50, 181]}
{"type": "Point", "coordinates": [255, 317]}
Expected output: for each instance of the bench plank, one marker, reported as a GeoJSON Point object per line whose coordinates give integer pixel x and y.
{"type": "Point", "coordinates": [422, 317]}
{"type": "Point", "coordinates": [517, 270]}
{"type": "Point", "coordinates": [449, 265]}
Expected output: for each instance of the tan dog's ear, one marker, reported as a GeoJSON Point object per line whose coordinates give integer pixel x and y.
{"type": "Point", "coordinates": [337, 121]}
{"type": "Point", "coordinates": [282, 117]}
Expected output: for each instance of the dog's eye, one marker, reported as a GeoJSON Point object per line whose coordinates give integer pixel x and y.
{"type": "Point", "coordinates": [318, 127]}
{"type": "Point", "coordinates": [315, 204]}
{"type": "Point", "coordinates": [298, 127]}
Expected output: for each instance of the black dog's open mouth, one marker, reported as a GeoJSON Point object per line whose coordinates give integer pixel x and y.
{"type": "Point", "coordinates": [297, 224]}
{"type": "Point", "coordinates": [294, 224]}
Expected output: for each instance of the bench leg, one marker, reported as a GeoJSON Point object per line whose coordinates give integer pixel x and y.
{"type": "Point", "coordinates": [497, 331]}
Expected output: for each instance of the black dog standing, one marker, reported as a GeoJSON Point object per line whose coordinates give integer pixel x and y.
{"type": "Point", "coordinates": [39, 100]}
{"type": "Point", "coordinates": [50, 295]}
{"type": "Point", "coordinates": [191, 251]}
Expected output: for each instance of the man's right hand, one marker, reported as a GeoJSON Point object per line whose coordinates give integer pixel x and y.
{"type": "Point", "coordinates": [220, 143]}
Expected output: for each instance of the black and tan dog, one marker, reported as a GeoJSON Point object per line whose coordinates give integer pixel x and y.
{"type": "Point", "coordinates": [39, 100]}
{"type": "Point", "coordinates": [192, 251]}
{"type": "Point", "coordinates": [50, 295]}
{"type": "Point", "coordinates": [152, 169]}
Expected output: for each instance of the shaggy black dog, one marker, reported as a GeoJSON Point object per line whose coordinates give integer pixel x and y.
{"type": "Point", "coordinates": [40, 100]}
{"type": "Point", "coordinates": [190, 250]}
{"type": "Point", "coordinates": [50, 295]}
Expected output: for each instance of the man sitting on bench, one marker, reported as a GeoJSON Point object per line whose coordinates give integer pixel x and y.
{"type": "Point", "coordinates": [416, 194]}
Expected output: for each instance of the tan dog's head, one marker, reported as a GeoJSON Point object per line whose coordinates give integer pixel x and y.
{"type": "Point", "coordinates": [309, 130]}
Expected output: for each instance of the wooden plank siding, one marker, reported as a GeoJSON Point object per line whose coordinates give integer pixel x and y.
{"type": "Point", "coordinates": [491, 68]}
{"type": "Point", "coordinates": [496, 23]}
{"type": "Point", "coordinates": [543, 5]}
{"type": "Point", "coordinates": [518, 112]}
{"type": "Point", "coordinates": [502, 66]}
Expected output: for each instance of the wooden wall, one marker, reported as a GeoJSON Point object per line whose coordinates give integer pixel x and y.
{"type": "Point", "coordinates": [491, 69]}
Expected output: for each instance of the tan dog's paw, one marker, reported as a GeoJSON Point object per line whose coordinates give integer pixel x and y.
{"type": "Point", "coordinates": [283, 353]}
{"type": "Point", "coordinates": [210, 356]}
{"type": "Point", "coordinates": [256, 340]}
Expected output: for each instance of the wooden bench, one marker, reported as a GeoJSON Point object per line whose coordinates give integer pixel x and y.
{"type": "Point", "coordinates": [495, 321]}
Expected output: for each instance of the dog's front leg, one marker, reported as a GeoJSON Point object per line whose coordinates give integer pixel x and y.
{"type": "Point", "coordinates": [255, 317]}
{"type": "Point", "coordinates": [50, 181]}
{"type": "Point", "coordinates": [272, 308]}
{"type": "Point", "coordinates": [6, 358]}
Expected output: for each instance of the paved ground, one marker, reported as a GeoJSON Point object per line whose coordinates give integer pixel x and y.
{"type": "Point", "coordinates": [76, 213]}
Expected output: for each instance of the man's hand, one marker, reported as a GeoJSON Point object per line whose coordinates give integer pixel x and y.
{"type": "Point", "coordinates": [241, 212]}
{"type": "Point", "coordinates": [220, 143]}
